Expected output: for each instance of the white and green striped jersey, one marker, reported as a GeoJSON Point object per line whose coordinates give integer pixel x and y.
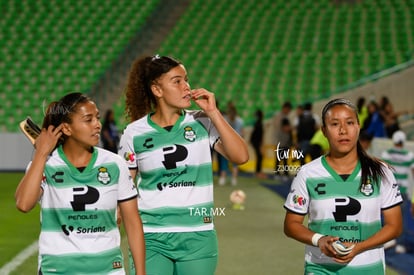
{"type": "Point", "coordinates": [79, 233]}
{"type": "Point", "coordinates": [344, 208]}
{"type": "Point", "coordinates": [402, 161]}
{"type": "Point", "coordinates": [175, 176]}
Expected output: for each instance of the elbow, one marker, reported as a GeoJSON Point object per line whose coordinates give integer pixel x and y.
{"type": "Point", "coordinates": [243, 156]}
{"type": "Point", "coordinates": [399, 231]}
{"type": "Point", "coordinates": [241, 159]}
{"type": "Point", "coordinates": [23, 207]}
{"type": "Point", "coordinates": [286, 230]}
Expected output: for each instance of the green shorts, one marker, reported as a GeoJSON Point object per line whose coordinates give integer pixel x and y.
{"type": "Point", "coordinates": [182, 253]}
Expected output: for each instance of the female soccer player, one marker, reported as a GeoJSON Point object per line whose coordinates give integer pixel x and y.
{"type": "Point", "coordinates": [79, 187]}
{"type": "Point", "coordinates": [344, 193]}
{"type": "Point", "coordinates": [168, 148]}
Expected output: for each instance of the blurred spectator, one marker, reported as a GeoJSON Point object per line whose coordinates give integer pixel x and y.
{"type": "Point", "coordinates": [306, 126]}
{"type": "Point", "coordinates": [390, 116]}
{"type": "Point", "coordinates": [319, 145]}
{"type": "Point", "coordinates": [374, 124]}
{"type": "Point", "coordinates": [110, 133]}
{"type": "Point", "coordinates": [283, 136]}
{"type": "Point", "coordinates": [237, 123]}
{"type": "Point", "coordinates": [256, 139]}
{"type": "Point", "coordinates": [365, 140]}
{"type": "Point", "coordinates": [362, 111]}
{"type": "Point", "coordinates": [402, 161]}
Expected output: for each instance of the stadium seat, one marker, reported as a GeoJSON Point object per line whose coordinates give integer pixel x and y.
{"type": "Point", "coordinates": [261, 52]}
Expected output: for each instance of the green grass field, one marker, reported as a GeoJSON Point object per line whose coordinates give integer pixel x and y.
{"type": "Point", "coordinates": [251, 241]}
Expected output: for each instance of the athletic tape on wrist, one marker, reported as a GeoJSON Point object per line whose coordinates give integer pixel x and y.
{"type": "Point", "coordinates": [315, 238]}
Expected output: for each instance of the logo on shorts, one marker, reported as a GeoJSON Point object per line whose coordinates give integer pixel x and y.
{"type": "Point", "coordinates": [116, 265]}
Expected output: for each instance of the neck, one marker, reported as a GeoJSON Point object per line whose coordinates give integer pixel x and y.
{"type": "Point", "coordinates": [342, 164]}
{"type": "Point", "coordinates": [77, 155]}
{"type": "Point", "coordinates": [164, 119]}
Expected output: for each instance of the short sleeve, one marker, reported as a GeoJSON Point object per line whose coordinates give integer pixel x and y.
{"type": "Point", "coordinates": [127, 188]}
{"type": "Point", "coordinates": [298, 198]}
{"type": "Point", "coordinates": [390, 192]}
{"type": "Point", "coordinates": [126, 150]}
{"type": "Point", "coordinates": [209, 126]}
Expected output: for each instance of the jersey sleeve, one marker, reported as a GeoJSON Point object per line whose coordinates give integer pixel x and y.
{"type": "Point", "coordinates": [297, 200]}
{"type": "Point", "coordinates": [209, 126]}
{"type": "Point", "coordinates": [390, 192]}
{"type": "Point", "coordinates": [127, 188]}
{"type": "Point", "coordinates": [126, 149]}
{"type": "Point", "coordinates": [411, 160]}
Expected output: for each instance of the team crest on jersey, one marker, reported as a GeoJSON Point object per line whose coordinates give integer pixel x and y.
{"type": "Point", "coordinates": [189, 133]}
{"type": "Point", "coordinates": [367, 189]}
{"type": "Point", "coordinates": [103, 175]}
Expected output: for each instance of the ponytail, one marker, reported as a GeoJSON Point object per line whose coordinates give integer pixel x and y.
{"type": "Point", "coordinates": [372, 169]}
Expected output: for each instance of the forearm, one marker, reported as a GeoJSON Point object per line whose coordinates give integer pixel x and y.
{"type": "Point", "coordinates": [28, 191]}
{"type": "Point", "coordinates": [133, 227]}
{"type": "Point", "coordinates": [386, 234]}
{"type": "Point", "coordinates": [300, 233]}
{"type": "Point", "coordinates": [232, 144]}
{"type": "Point", "coordinates": [136, 245]}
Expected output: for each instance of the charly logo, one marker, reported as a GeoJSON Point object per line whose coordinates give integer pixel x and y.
{"type": "Point", "coordinates": [189, 134]}
{"type": "Point", "coordinates": [58, 176]}
{"type": "Point", "coordinates": [103, 175]}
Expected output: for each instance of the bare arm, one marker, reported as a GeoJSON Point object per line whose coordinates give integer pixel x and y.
{"type": "Point", "coordinates": [133, 227]}
{"type": "Point", "coordinates": [29, 191]}
{"type": "Point", "coordinates": [294, 228]}
{"type": "Point", "coordinates": [231, 145]}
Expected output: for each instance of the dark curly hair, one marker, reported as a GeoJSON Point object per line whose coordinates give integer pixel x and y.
{"type": "Point", "coordinates": [139, 99]}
